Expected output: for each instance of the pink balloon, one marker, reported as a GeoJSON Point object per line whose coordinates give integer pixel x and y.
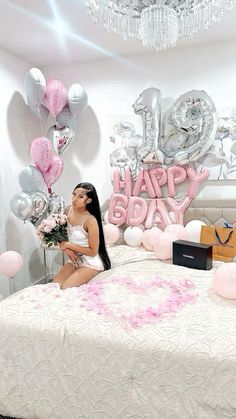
{"type": "Point", "coordinates": [224, 280]}
{"type": "Point", "coordinates": [179, 208]}
{"type": "Point", "coordinates": [176, 175]}
{"type": "Point", "coordinates": [158, 178]}
{"type": "Point", "coordinates": [54, 172]}
{"type": "Point", "coordinates": [195, 181]}
{"type": "Point", "coordinates": [111, 233]}
{"type": "Point", "coordinates": [117, 209]}
{"type": "Point", "coordinates": [178, 230]}
{"type": "Point", "coordinates": [125, 184]}
{"type": "Point", "coordinates": [163, 248]}
{"type": "Point", "coordinates": [137, 211]}
{"type": "Point", "coordinates": [144, 184]}
{"type": "Point", "coordinates": [155, 234]}
{"type": "Point", "coordinates": [146, 239]}
{"type": "Point", "coordinates": [55, 96]}
{"type": "Point", "coordinates": [10, 263]}
{"type": "Point", "coordinates": [41, 153]}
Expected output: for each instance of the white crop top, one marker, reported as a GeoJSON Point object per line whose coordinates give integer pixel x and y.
{"type": "Point", "coordinates": [78, 235]}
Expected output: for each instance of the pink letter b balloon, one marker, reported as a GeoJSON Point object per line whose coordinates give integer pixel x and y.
{"type": "Point", "coordinates": [224, 281]}
{"type": "Point", "coordinates": [10, 263]}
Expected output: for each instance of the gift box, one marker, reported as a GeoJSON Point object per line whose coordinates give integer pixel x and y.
{"type": "Point", "coordinates": [192, 255]}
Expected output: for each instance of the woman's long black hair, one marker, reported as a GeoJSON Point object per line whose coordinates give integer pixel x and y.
{"type": "Point", "coordinates": [94, 208]}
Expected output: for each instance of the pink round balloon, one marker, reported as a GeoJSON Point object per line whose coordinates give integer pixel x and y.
{"type": "Point", "coordinates": [55, 96]}
{"type": "Point", "coordinates": [154, 236]}
{"type": "Point", "coordinates": [10, 263]}
{"type": "Point", "coordinates": [54, 172]}
{"type": "Point", "coordinates": [224, 280]}
{"type": "Point", "coordinates": [178, 230]}
{"type": "Point", "coordinates": [111, 233]}
{"type": "Point", "coordinates": [163, 248]}
{"type": "Point", "coordinates": [146, 239]}
{"type": "Point", "coordinates": [41, 153]}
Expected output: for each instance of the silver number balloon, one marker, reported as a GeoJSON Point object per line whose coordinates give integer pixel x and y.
{"type": "Point", "coordinates": [31, 179]}
{"type": "Point", "coordinates": [61, 138]}
{"type": "Point", "coordinates": [148, 106]}
{"type": "Point", "coordinates": [189, 128]}
{"type": "Point", "coordinates": [22, 206]}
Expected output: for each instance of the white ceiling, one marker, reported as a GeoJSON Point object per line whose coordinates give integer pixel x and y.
{"type": "Point", "coordinates": [29, 29]}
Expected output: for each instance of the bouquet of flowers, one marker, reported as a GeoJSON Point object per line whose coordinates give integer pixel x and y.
{"type": "Point", "coordinates": [53, 229]}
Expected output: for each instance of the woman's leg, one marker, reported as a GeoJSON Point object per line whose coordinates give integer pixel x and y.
{"type": "Point", "coordinates": [64, 273]}
{"type": "Point", "coordinates": [79, 277]}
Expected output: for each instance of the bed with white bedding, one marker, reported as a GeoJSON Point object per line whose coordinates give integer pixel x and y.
{"type": "Point", "coordinates": [62, 358]}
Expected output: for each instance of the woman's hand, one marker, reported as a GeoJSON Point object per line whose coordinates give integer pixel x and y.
{"type": "Point", "coordinates": [71, 255]}
{"type": "Point", "coordinates": [62, 245]}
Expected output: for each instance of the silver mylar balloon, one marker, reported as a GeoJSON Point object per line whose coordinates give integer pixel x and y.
{"type": "Point", "coordinates": [56, 204]}
{"type": "Point", "coordinates": [61, 138]}
{"type": "Point", "coordinates": [122, 157]}
{"type": "Point", "coordinates": [22, 206]}
{"type": "Point", "coordinates": [31, 179]}
{"type": "Point", "coordinates": [148, 105]}
{"type": "Point", "coordinates": [134, 141]}
{"type": "Point", "coordinates": [124, 129]}
{"type": "Point", "coordinates": [65, 118]}
{"type": "Point", "coordinates": [189, 128]}
{"type": "Point", "coordinates": [40, 205]}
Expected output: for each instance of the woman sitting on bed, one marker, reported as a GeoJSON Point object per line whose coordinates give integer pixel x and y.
{"type": "Point", "coordinates": [85, 246]}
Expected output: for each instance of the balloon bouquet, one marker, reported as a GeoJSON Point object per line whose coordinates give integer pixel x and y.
{"type": "Point", "coordinates": [47, 98]}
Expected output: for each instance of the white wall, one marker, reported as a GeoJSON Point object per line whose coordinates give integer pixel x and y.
{"type": "Point", "coordinates": [18, 128]}
{"type": "Point", "coordinates": [112, 87]}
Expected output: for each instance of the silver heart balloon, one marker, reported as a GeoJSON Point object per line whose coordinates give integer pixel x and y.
{"type": "Point", "coordinates": [56, 204]}
{"type": "Point", "coordinates": [61, 138]}
{"type": "Point", "coordinates": [40, 205]}
{"type": "Point", "coordinates": [21, 205]}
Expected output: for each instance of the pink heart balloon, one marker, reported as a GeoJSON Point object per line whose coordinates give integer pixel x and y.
{"type": "Point", "coordinates": [10, 263]}
{"type": "Point", "coordinates": [41, 153]}
{"type": "Point", "coordinates": [55, 96]}
{"type": "Point", "coordinates": [54, 172]}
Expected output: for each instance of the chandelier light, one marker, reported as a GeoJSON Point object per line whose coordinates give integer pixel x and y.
{"type": "Point", "coordinates": [158, 24]}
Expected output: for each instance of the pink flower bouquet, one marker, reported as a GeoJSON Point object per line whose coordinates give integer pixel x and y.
{"type": "Point", "coordinates": [53, 229]}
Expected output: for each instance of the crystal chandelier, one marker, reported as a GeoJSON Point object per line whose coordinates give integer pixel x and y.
{"type": "Point", "coordinates": [157, 23]}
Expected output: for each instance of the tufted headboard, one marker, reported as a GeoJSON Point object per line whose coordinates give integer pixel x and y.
{"type": "Point", "coordinates": [212, 211]}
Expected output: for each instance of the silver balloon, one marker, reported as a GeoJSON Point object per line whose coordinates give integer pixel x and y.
{"type": "Point", "coordinates": [61, 138]}
{"type": "Point", "coordinates": [134, 141]}
{"type": "Point", "coordinates": [77, 99]}
{"type": "Point", "coordinates": [189, 128]}
{"type": "Point", "coordinates": [148, 105]}
{"type": "Point", "coordinates": [31, 179]}
{"type": "Point", "coordinates": [22, 206]}
{"type": "Point", "coordinates": [56, 204]}
{"type": "Point", "coordinates": [124, 129]}
{"type": "Point", "coordinates": [40, 205]}
{"type": "Point", "coordinates": [65, 118]}
{"type": "Point", "coordinates": [123, 158]}
{"type": "Point", "coordinates": [35, 85]}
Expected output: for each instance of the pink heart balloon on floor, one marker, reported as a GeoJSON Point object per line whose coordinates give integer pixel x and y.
{"type": "Point", "coordinates": [55, 96]}
{"type": "Point", "coordinates": [54, 172]}
{"type": "Point", "coordinates": [10, 263]}
{"type": "Point", "coordinates": [41, 153]}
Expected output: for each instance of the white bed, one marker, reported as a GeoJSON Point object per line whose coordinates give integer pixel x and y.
{"type": "Point", "coordinates": [59, 359]}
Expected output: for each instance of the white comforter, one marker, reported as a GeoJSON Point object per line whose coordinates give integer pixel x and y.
{"type": "Point", "coordinates": [60, 360]}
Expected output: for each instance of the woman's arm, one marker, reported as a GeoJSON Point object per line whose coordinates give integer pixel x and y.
{"type": "Point", "coordinates": [93, 240]}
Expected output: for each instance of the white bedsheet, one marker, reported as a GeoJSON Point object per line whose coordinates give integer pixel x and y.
{"type": "Point", "coordinates": [58, 360]}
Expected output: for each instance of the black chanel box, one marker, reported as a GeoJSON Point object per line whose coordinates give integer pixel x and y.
{"type": "Point", "coordinates": [192, 255]}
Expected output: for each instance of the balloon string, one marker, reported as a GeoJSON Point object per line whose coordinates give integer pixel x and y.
{"type": "Point", "coordinates": [41, 125]}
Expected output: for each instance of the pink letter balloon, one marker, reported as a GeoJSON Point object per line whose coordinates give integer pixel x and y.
{"type": "Point", "coordinates": [10, 263]}
{"type": "Point", "coordinates": [224, 280]}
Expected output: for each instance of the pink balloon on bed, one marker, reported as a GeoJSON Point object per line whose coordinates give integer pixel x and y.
{"type": "Point", "coordinates": [55, 96]}
{"type": "Point", "coordinates": [146, 239]}
{"type": "Point", "coordinates": [163, 248]}
{"type": "Point", "coordinates": [41, 153]}
{"type": "Point", "coordinates": [111, 233]}
{"type": "Point", "coordinates": [10, 263]}
{"type": "Point", "coordinates": [178, 230]}
{"type": "Point", "coordinates": [54, 172]}
{"type": "Point", "coordinates": [155, 234]}
{"type": "Point", "coordinates": [224, 281]}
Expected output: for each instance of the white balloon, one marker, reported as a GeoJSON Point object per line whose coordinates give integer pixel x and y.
{"type": "Point", "coordinates": [35, 85]}
{"type": "Point", "coordinates": [193, 229]}
{"type": "Point", "coordinates": [78, 99]}
{"type": "Point", "coordinates": [133, 236]}
{"type": "Point", "coordinates": [65, 118]}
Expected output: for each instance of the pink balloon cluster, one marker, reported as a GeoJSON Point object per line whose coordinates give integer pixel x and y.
{"type": "Point", "coordinates": [10, 263]}
{"type": "Point", "coordinates": [51, 166]}
{"type": "Point", "coordinates": [224, 281]}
